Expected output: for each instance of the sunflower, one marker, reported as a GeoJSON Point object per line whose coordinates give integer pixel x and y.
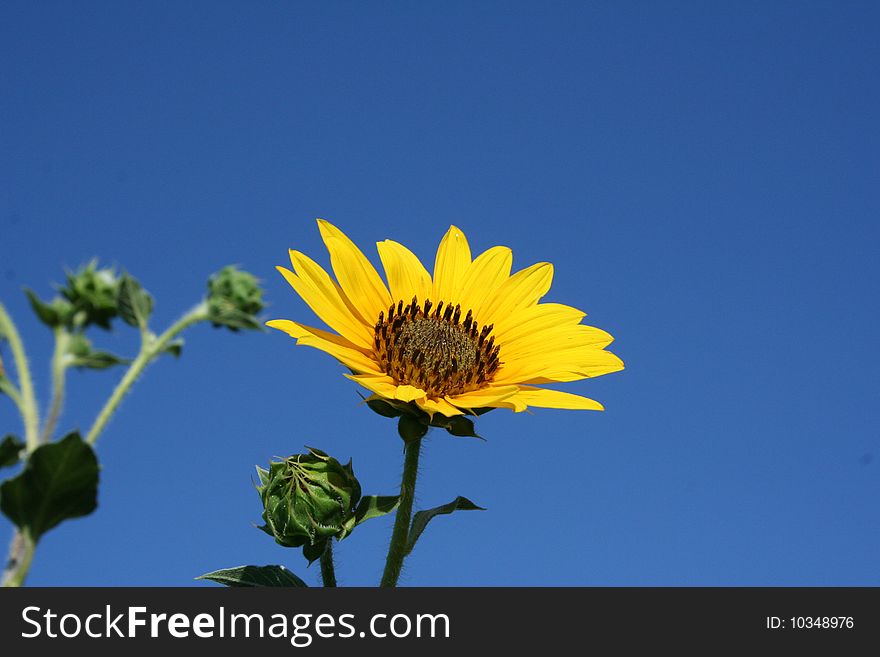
{"type": "Point", "coordinates": [471, 337]}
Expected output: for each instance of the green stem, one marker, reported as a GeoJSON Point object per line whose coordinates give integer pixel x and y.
{"type": "Point", "coordinates": [400, 533]}
{"type": "Point", "coordinates": [7, 388]}
{"type": "Point", "coordinates": [28, 402]}
{"type": "Point", "coordinates": [328, 571]}
{"type": "Point", "coordinates": [59, 369]}
{"type": "Point", "coordinates": [150, 348]}
{"type": "Point", "coordinates": [21, 553]}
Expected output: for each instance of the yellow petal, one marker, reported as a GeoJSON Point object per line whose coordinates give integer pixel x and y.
{"type": "Point", "coordinates": [356, 275]}
{"type": "Point", "coordinates": [521, 290]}
{"type": "Point", "coordinates": [452, 261]}
{"type": "Point", "coordinates": [483, 277]}
{"type": "Point", "coordinates": [533, 319]}
{"type": "Point", "coordinates": [556, 399]}
{"type": "Point", "coordinates": [482, 397]}
{"type": "Point", "coordinates": [407, 276]}
{"type": "Point", "coordinates": [322, 295]}
{"type": "Point", "coordinates": [407, 393]}
{"type": "Point", "coordinates": [579, 336]}
{"type": "Point", "coordinates": [337, 346]}
{"type": "Point", "coordinates": [566, 365]}
{"type": "Point", "coordinates": [381, 384]}
{"type": "Point", "coordinates": [441, 406]}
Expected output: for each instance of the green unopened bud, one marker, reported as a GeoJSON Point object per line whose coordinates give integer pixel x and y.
{"type": "Point", "coordinates": [234, 299]}
{"type": "Point", "coordinates": [92, 292]}
{"type": "Point", "coordinates": [308, 499]}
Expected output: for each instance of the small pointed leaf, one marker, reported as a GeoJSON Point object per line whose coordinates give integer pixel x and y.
{"type": "Point", "coordinates": [135, 303]}
{"type": "Point", "coordinates": [372, 506]}
{"type": "Point", "coordinates": [422, 518]}
{"type": "Point", "coordinates": [175, 348]}
{"type": "Point", "coordinates": [251, 576]}
{"type": "Point", "coordinates": [44, 311]}
{"type": "Point", "coordinates": [10, 451]}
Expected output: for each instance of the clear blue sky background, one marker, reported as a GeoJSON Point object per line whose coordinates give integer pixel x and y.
{"type": "Point", "coordinates": [703, 176]}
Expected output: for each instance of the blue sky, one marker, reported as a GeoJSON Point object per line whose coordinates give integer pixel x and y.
{"type": "Point", "coordinates": [703, 176]}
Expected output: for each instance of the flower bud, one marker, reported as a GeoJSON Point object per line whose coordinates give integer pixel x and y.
{"type": "Point", "coordinates": [92, 293]}
{"type": "Point", "coordinates": [234, 299]}
{"type": "Point", "coordinates": [308, 499]}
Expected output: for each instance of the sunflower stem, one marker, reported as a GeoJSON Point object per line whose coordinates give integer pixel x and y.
{"type": "Point", "coordinates": [400, 533]}
{"type": "Point", "coordinates": [26, 400]}
{"type": "Point", "coordinates": [59, 367]}
{"type": "Point", "coordinates": [18, 563]}
{"type": "Point", "coordinates": [150, 349]}
{"type": "Point", "coordinates": [328, 571]}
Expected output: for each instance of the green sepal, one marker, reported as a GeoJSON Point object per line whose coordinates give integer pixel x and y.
{"type": "Point", "coordinates": [382, 407]}
{"type": "Point", "coordinates": [135, 303]}
{"type": "Point", "coordinates": [422, 518]}
{"type": "Point", "coordinates": [263, 476]}
{"type": "Point", "coordinates": [411, 427]}
{"type": "Point", "coordinates": [59, 481]}
{"type": "Point", "coordinates": [313, 551]}
{"type": "Point", "coordinates": [457, 425]}
{"type": "Point", "coordinates": [253, 576]}
{"type": "Point", "coordinates": [10, 450]}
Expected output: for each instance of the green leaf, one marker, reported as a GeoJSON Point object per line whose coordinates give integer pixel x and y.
{"type": "Point", "coordinates": [372, 506]}
{"type": "Point", "coordinates": [422, 518]}
{"type": "Point", "coordinates": [82, 355]}
{"type": "Point", "coordinates": [59, 481]}
{"type": "Point", "coordinates": [10, 451]}
{"type": "Point", "coordinates": [100, 360]}
{"type": "Point", "coordinates": [255, 576]}
{"type": "Point", "coordinates": [45, 312]}
{"type": "Point", "coordinates": [175, 348]}
{"type": "Point", "coordinates": [135, 303]}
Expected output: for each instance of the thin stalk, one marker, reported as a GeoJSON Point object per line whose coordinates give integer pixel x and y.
{"type": "Point", "coordinates": [59, 371]}
{"type": "Point", "coordinates": [150, 348]}
{"type": "Point", "coordinates": [328, 571]}
{"type": "Point", "coordinates": [21, 553]}
{"type": "Point", "coordinates": [9, 389]}
{"type": "Point", "coordinates": [28, 401]}
{"type": "Point", "coordinates": [400, 533]}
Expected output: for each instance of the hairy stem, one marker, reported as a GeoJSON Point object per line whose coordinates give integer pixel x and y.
{"type": "Point", "coordinates": [27, 402]}
{"type": "Point", "coordinates": [59, 371]}
{"type": "Point", "coordinates": [400, 533]}
{"type": "Point", "coordinates": [149, 350]}
{"type": "Point", "coordinates": [328, 571]}
{"type": "Point", "coordinates": [18, 563]}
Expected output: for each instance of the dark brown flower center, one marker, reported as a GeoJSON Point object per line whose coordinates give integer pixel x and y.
{"type": "Point", "coordinates": [435, 351]}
